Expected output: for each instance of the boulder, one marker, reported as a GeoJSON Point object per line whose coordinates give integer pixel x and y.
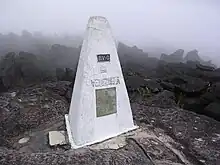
{"type": "Point", "coordinates": [165, 99]}
{"type": "Point", "coordinates": [192, 56]}
{"type": "Point", "coordinates": [193, 87]}
{"type": "Point", "coordinates": [213, 110]}
{"type": "Point", "coordinates": [60, 87]}
{"type": "Point", "coordinates": [164, 57]}
{"type": "Point", "coordinates": [153, 85]}
{"type": "Point", "coordinates": [167, 86]}
{"type": "Point", "coordinates": [60, 73]}
{"type": "Point", "coordinates": [205, 67]}
{"type": "Point", "coordinates": [175, 57]}
{"type": "Point", "coordinates": [187, 85]}
{"type": "Point", "coordinates": [193, 104]}
{"type": "Point", "coordinates": [134, 82]}
{"type": "Point", "coordinates": [215, 90]}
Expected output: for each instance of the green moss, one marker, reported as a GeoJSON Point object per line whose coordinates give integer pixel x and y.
{"type": "Point", "coordinates": [145, 92]}
{"type": "Point", "coordinates": [179, 99]}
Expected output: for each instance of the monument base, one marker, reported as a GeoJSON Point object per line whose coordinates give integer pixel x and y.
{"type": "Point", "coordinates": [74, 146]}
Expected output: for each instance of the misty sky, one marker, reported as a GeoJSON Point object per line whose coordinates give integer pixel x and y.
{"type": "Point", "coordinates": [176, 23]}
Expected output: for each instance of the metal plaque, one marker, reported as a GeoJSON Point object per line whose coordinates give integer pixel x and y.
{"type": "Point", "coordinates": [106, 101]}
{"type": "Point", "coordinates": [103, 57]}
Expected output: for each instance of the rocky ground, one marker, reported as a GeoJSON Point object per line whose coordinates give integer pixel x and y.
{"type": "Point", "coordinates": [170, 135]}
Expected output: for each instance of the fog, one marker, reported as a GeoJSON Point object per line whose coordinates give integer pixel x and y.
{"type": "Point", "coordinates": [149, 24]}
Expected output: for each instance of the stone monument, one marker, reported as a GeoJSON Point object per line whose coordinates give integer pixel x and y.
{"type": "Point", "coordinates": [100, 107]}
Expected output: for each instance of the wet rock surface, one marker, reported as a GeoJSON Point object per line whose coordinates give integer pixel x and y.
{"type": "Point", "coordinates": [170, 135]}
{"type": "Point", "coordinates": [175, 57]}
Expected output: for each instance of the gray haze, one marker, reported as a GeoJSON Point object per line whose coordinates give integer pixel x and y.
{"type": "Point", "coordinates": [150, 24]}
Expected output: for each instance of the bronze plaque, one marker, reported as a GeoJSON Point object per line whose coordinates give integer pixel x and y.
{"type": "Point", "coordinates": [105, 101]}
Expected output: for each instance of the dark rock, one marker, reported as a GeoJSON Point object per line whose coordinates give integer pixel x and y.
{"type": "Point", "coordinates": [175, 57]}
{"type": "Point", "coordinates": [213, 110]}
{"type": "Point", "coordinates": [177, 80]}
{"type": "Point", "coordinates": [134, 82]}
{"type": "Point", "coordinates": [63, 56]}
{"type": "Point", "coordinates": [171, 70]}
{"type": "Point", "coordinates": [65, 74]}
{"type": "Point", "coordinates": [218, 70]}
{"type": "Point", "coordinates": [211, 95]}
{"type": "Point", "coordinates": [60, 87]}
{"type": "Point", "coordinates": [167, 86]}
{"type": "Point", "coordinates": [164, 57]}
{"type": "Point", "coordinates": [69, 75]}
{"type": "Point", "coordinates": [192, 64]}
{"type": "Point", "coordinates": [193, 56]}
{"type": "Point", "coordinates": [178, 53]}
{"type": "Point", "coordinates": [153, 85]}
{"type": "Point", "coordinates": [60, 74]}
{"type": "Point", "coordinates": [207, 98]}
{"type": "Point", "coordinates": [187, 85]}
{"type": "Point", "coordinates": [193, 104]}
{"type": "Point", "coordinates": [24, 69]}
{"type": "Point", "coordinates": [3, 88]}
{"type": "Point", "coordinates": [69, 92]}
{"type": "Point", "coordinates": [193, 87]}
{"type": "Point", "coordinates": [215, 90]}
{"type": "Point", "coordinates": [205, 68]}
{"type": "Point", "coordinates": [3, 103]}
{"type": "Point", "coordinates": [209, 64]}
{"type": "Point", "coordinates": [165, 99]}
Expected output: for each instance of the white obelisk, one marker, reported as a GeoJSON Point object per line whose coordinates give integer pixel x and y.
{"type": "Point", "coordinates": [100, 107]}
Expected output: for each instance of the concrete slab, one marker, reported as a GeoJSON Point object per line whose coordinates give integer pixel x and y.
{"type": "Point", "coordinates": [57, 138]}
{"type": "Point", "coordinates": [128, 132]}
{"type": "Point", "coordinates": [115, 142]}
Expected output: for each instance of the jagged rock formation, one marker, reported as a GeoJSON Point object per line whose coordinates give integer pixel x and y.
{"type": "Point", "coordinates": [194, 56]}
{"type": "Point", "coordinates": [191, 56]}
{"type": "Point", "coordinates": [175, 57]}
{"type": "Point", "coordinates": [131, 54]}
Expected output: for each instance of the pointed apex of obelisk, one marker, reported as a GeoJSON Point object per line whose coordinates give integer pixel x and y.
{"type": "Point", "coordinates": [98, 22]}
{"type": "Point", "coordinates": [99, 18]}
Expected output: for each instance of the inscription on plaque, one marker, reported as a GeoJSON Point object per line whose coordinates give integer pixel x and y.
{"type": "Point", "coordinates": [106, 102]}
{"type": "Point", "coordinates": [105, 82]}
{"type": "Point", "coordinates": [103, 57]}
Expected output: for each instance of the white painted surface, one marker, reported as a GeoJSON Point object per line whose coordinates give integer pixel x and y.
{"type": "Point", "coordinates": [101, 139]}
{"type": "Point", "coordinates": [83, 125]}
